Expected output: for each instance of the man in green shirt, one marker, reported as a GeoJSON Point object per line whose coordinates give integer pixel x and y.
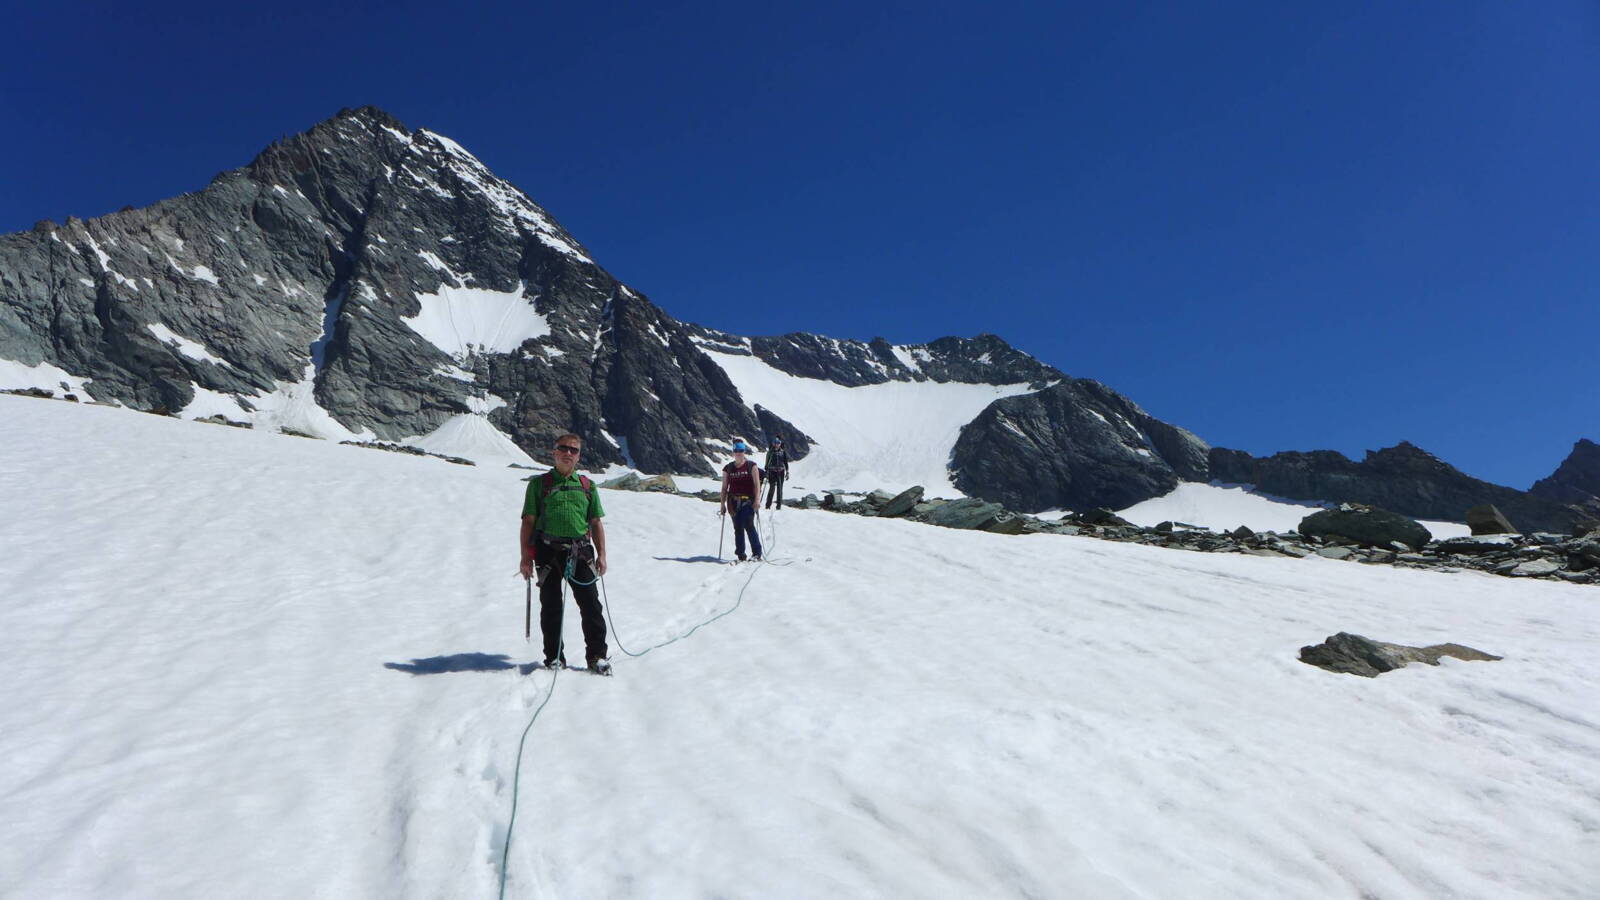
{"type": "Point", "coordinates": [564, 540]}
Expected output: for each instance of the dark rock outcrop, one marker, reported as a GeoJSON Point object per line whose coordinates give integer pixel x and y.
{"type": "Point", "coordinates": [1403, 478]}
{"type": "Point", "coordinates": [1365, 525]}
{"type": "Point", "coordinates": [968, 512]}
{"type": "Point", "coordinates": [1487, 519]}
{"type": "Point", "coordinates": [1576, 481]}
{"type": "Point", "coordinates": [901, 503]}
{"type": "Point", "coordinates": [323, 264]}
{"type": "Point", "coordinates": [1352, 654]}
{"type": "Point", "coordinates": [1074, 445]}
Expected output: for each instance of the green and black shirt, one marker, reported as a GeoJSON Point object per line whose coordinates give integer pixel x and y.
{"type": "Point", "coordinates": [569, 508]}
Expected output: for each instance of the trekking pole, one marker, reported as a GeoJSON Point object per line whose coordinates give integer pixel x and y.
{"type": "Point", "coordinates": [527, 613]}
{"type": "Point", "coordinates": [722, 516]}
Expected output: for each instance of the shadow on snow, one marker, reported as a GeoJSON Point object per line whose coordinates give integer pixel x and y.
{"type": "Point", "coordinates": [457, 662]}
{"type": "Point", "coordinates": [689, 559]}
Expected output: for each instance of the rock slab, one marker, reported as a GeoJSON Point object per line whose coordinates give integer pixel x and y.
{"type": "Point", "coordinates": [1352, 654]}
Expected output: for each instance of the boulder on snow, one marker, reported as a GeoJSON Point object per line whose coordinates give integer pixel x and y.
{"type": "Point", "coordinates": [1101, 516]}
{"type": "Point", "coordinates": [1352, 654]}
{"type": "Point", "coordinates": [878, 498]}
{"type": "Point", "coordinates": [1366, 525]}
{"type": "Point", "coordinates": [1536, 567]}
{"type": "Point", "coordinates": [628, 482]}
{"type": "Point", "coordinates": [968, 512]}
{"type": "Point", "coordinates": [901, 503]}
{"type": "Point", "coordinates": [659, 483]}
{"type": "Point", "coordinates": [1487, 519]}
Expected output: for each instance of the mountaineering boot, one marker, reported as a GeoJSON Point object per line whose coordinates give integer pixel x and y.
{"type": "Point", "coordinates": [555, 664]}
{"type": "Point", "coordinates": [600, 666]}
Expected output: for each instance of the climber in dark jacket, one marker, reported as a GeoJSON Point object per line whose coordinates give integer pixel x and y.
{"type": "Point", "coordinates": [776, 470]}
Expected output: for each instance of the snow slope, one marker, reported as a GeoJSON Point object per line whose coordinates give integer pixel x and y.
{"type": "Point", "coordinates": [246, 665]}
{"type": "Point", "coordinates": [1226, 507]}
{"type": "Point", "coordinates": [889, 436]}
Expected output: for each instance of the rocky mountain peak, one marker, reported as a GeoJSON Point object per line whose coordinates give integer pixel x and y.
{"type": "Point", "coordinates": [1576, 480]}
{"type": "Point", "coordinates": [363, 279]}
{"type": "Point", "coordinates": [985, 359]}
{"type": "Point", "coordinates": [1408, 457]}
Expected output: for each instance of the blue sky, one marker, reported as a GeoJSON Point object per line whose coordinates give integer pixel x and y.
{"type": "Point", "coordinates": [1281, 225]}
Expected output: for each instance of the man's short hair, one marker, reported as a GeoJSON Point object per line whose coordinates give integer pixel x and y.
{"type": "Point", "coordinates": [571, 437]}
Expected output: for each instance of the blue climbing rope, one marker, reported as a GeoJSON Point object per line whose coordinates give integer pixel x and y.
{"type": "Point", "coordinates": [516, 778]}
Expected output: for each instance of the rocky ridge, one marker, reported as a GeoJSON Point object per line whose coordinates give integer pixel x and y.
{"type": "Point", "coordinates": [1404, 478]}
{"type": "Point", "coordinates": [1576, 481]}
{"type": "Point", "coordinates": [364, 281]}
{"type": "Point", "coordinates": [1573, 558]}
{"type": "Point", "coordinates": [368, 282]}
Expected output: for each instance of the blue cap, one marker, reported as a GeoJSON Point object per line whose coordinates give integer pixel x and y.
{"type": "Point", "coordinates": [741, 447]}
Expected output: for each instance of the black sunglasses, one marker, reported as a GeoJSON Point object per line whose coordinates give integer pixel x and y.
{"type": "Point", "coordinates": [569, 448]}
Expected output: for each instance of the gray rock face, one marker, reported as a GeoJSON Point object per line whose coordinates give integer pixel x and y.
{"type": "Point", "coordinates": [1576, 481]}
{"type": "Point", "coordinates": [969, 512]}
{"type": "Point", "coordinates": [1403, 478]}
{"type": "Point", "coordinates": [1352, 654]}
{"type": "Point", "coordinates": [1487, 519]}
{"type": "Point", "coordinates": [1536, 567]}
{"type": "Point", "coordinates": [318, 265]}
{"type": "Point", "coordinates": [1468, 546]}
{"type": "Point", "coordinates": [985, 359]}
{"type": "Point", "coordinates": [1075, 445]}
{"type": "Point", "coordinates": [389, 276]}
{"type": "Point", "coordinates": [901, 503]}
{"type": "Point", "coordinates": [1367, 526]}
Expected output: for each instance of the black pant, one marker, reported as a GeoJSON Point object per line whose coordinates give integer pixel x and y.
{"type": "Point", "coordinates": [775, 487]}
{"type": "Point", "coordinates": [552, 562]}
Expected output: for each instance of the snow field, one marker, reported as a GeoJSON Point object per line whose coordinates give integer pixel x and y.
{"type": "Point", "coordinates": [466, 320]}
{"type": "Point", "coordinates": [889, 436]}
{"type": "Point", "coordinates": [1226, 507]}
{"type": "Point", "coordinates": [200, 623]}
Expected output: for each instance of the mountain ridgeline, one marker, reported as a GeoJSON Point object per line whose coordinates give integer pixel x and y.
{"type": "Point", "coordinates": [366, 280]}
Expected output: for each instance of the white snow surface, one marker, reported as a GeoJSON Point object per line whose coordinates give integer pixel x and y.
{"type": "Point", "coordinates": [890, 436]}
{"type": "Point", "coordinates": [46, 376]}
{"type": "Point", "coordinates": [1227, 506]}
{"type": "Point", "coordinates": [465, 320]}
{"type": "Point", "coordinates": [208, 403]}
{"type": "Point", "coordinates": [472, 436]}
{"type": "Point", "coordinates": [248, 666]}
{"type": "Point", "coordinates": [294, 406]}
{"type": "Point", "coordinates": [190, 348]}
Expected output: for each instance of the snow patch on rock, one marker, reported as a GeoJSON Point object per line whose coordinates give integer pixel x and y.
{"type": "Point", "coordinates": [462, 321]}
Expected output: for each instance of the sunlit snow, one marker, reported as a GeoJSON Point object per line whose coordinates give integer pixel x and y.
{"type": "Point", "coordinates": [192, 349]}
{"type": "Point", "coordinates": [45, 376]}
{"type": "Point", "coordinates": [1226, 507]}
{"type": "Point", "coordinates": [465, 320]}
{"type": "Point", "coordinates": [242, 665]}
{"type": "Point", "coordinates": [891, 435]}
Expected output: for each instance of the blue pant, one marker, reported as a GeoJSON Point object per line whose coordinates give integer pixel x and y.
{"type": "Point", "coordinates": [744, 519]}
